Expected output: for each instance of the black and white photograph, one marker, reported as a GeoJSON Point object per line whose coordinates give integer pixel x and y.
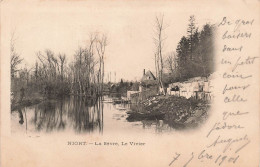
{"type": "Point", "coordinates": [129, 83]}
{"type": "Point", "coordinates": [161, 80]}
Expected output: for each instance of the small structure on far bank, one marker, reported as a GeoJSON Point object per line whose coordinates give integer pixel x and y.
{"type": "Point", "coordinates": [148, 76]}
{"type": "Point", "coordinates": [197, 87]}
{"type": "Point", "coordinates": [148, 87]}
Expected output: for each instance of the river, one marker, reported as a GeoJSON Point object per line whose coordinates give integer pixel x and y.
{"type": "Point", "coordinates": [77, 115]}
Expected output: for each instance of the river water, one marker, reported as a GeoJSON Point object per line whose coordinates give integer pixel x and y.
{"type": "Point", "coordinates": [77, 115]}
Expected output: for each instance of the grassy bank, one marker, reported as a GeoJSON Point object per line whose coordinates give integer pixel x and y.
{"type": "Point", "coordinates": [178, 112]}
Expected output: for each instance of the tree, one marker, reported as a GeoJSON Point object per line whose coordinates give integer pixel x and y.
{"type": "Point", "coordinates": [207, 42]}
{"type": "Point", "coordinates": [62, 58]}
{"type": "Point", "coordinates": [192, 32]}
{"type": "Point", "coordinates": [171, 62]}
{"type": "Point", "coordinates": [159, 46]}
{"type": "Point", "coordinates": [193, 38]}
{"type": "Point", "coordinates": [101, 44]}
{"type": "Point", "coordinates": [182, 57]}
{"type": "Point", "coordinates": [15, 57]}
{"type": "Point", "coordinates": [204, 61]}
{"type": "Point", "coordinates": [195, 55]}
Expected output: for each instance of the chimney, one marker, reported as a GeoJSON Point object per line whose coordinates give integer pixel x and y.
{"type": "Point", "coordinates": [144, 71]}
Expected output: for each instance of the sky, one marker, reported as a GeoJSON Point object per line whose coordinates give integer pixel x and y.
{"type": "Point", "coordinates": [63, 26]}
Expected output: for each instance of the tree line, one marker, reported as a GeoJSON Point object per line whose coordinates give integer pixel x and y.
{"type": "Point", "coordinates": [54, 75]}
{"type": "Point", "coordinates": [194, 54]}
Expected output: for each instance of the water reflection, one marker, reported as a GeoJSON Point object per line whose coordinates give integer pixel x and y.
{"type": "Point", "coordinates": [21, 121]}
{"type": "Point", "coordinates": [86, 115]}
{"type": "Point", "coordinates": [82, 114]}
{"type": "Point", "coordinates": [158, 125]}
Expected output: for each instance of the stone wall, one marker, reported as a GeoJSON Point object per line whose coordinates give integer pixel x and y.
{"type": "Point", "coordinates": [198, 87]}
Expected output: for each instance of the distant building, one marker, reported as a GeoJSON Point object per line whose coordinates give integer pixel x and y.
{"type": "Point", "coordinates": [148, 87]}
{"type": "Point", "coordinates": [148, 76]}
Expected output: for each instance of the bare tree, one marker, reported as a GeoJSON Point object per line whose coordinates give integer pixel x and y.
{"type": "Point", "coordinates": [83, 76]}
{"type": "Point", "coordinates": [155, 64]}
{"type": "Point", "coordinates": [15, 57]}
{"type": "Point", "coordinates": [171, 62]}
{"type": "Point", "coordinates": [101, 47]}
{"type": "Point", "coordinates": [159, 39]}
{"type": "Point", "coordinates": [62, 58]}
{"type": "Point", "coordinates": [91, 63]}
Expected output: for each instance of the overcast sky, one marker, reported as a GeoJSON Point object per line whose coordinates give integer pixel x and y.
{"type": "Point", "coordinates": [64, 26]}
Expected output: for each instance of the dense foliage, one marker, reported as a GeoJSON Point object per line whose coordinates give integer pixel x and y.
{"type": "Point", "coordinates": [194, 54]}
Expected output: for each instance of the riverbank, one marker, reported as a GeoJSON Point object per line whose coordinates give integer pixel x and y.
{"type": "Point", "coordinates": [30, 100]}
{"type": "Point", "coordinates": [178, 112]}
{"type": "Point", "coordinates": [37, 98]}
{"type": "Point", "coordinates": [25, 103]}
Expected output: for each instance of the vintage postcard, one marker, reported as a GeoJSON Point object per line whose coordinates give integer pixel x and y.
{"type": "Point", "coordinates": [127, 83]}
